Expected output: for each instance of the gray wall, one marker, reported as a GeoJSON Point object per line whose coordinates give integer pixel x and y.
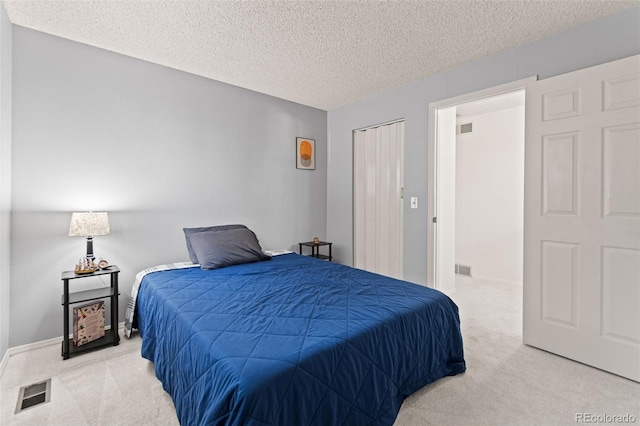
{"type": "Point", "coordinates": [597, 42]}
{"type": "Point", "coordinates": [159, 149]}
{"type": "Point", "coordinates": [5, 176]}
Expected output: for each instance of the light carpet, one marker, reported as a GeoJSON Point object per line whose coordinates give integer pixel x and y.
{"type": "Point", "coordinates": [506, 382]}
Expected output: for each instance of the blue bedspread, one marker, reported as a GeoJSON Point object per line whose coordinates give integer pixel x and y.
{"type": "Point", "coordinates": [294, 341]}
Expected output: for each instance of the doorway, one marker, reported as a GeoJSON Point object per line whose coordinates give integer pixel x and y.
{"type": "Point", "coordinates": [581, 274]}
{"type": "Point", "coordinates": [445, 117]}
{"type": "Point", "coordinates": [489, 188]}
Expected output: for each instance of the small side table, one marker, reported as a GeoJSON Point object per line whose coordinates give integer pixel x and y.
{"type": "Point", "coordinates": [111, 337]}
{"type": "Point", "coordinates": [315, 249]}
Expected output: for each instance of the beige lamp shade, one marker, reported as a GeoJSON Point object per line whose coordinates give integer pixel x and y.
{"type": "Point", "coordinates": [89, 224]}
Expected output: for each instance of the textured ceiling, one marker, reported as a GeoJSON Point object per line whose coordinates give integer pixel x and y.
{"type": "Point", "coordinates": [324, 54]}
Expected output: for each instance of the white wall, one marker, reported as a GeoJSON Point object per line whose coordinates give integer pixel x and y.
{"type": "Point", "coordinates": [604, 40]}
{"type": "Point", "coordinates": [157, 148]}
{"type": "Point", "coordinates": [5, 176]}
{"type": "Point", "coordinates": [490, 195]}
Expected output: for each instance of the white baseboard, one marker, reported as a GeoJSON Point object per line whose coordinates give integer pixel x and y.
{"type": "Point", "coordinates": [3, 363]}
{"type": "Point", "coordinates": [37, 345]}
{"type": "Point", "coordinates": [26, 348]}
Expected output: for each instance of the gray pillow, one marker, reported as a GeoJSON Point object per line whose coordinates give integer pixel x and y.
{"type": "Point", "coordinates": [217, 249]}
{"type": "Point", "coordinates": [188, 232]}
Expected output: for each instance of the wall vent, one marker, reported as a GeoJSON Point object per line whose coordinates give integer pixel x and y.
{"type": "Point", "coordinates": [464, 128]}
{"type": "Point", "coordinates": [34, 394]}
{"type": "Point", "coordinates": [463, 270]}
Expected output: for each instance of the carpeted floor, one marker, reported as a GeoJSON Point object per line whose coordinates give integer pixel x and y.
{"type": "Point", "coordinates": [506, 383]}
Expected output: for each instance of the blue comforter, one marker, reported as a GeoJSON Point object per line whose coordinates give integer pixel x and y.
{"type": "Point", "coordinates": [294, 341]}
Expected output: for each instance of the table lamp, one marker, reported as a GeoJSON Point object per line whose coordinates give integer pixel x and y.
{"type": "Point", "coordinates": [89, 224]}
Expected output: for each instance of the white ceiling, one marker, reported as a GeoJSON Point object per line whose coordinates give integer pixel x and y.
{"type": "Point", "coordinates": [324, 54]}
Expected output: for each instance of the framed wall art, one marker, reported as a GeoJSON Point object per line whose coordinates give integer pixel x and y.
{"type": "Point", "coordinates": [305, 154]}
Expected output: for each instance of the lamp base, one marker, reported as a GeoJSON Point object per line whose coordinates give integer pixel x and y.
{"type": "Point", "coordinates": [90, 248]}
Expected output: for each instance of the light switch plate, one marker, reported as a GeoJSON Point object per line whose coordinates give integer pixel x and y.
{"type": "Point", "coordinates": [414, 202]}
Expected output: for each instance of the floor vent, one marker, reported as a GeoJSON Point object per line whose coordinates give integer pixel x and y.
{"type": "Point", "coordinates": [463, 270]}
{"type": "Point", "coordinates": [34, 394]}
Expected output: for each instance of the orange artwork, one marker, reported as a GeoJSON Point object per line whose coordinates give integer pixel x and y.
{"type": "Point", "coordinates": [305, 155]}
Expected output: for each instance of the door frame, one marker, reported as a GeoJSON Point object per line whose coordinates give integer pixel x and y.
{"type": "Point", "coordinates": [432, 160]}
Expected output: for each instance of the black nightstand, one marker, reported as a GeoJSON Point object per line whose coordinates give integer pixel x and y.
{"type": "Point", "coordinates": [315, 249]}
{"type": "Point", "coordinates": [111, 337]}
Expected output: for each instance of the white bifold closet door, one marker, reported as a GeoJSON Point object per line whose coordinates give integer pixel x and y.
{"type": "Point", "coordinates": [378, 181]}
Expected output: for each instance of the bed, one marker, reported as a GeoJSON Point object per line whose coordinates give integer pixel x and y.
{"type": "Point", "coordinates": [292, 340]}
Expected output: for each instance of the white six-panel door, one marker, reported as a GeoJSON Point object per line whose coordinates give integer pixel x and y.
{"type": "Point", "coordinates": [582, 216]}
{"type": "Point", "coordinates": [378, 211]}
